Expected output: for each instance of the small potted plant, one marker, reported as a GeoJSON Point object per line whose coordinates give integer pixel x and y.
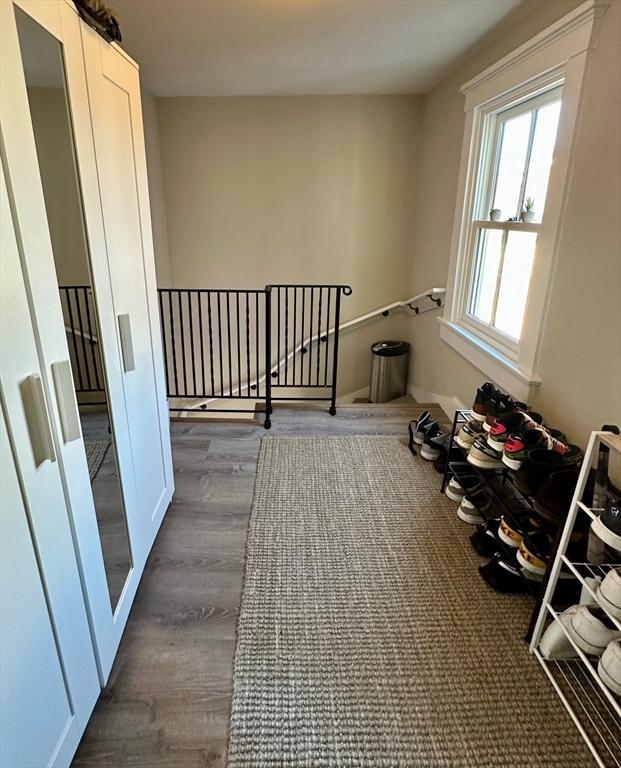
{"type": "Point", "coordinates": [528, 214]}
{"type": "Point", "coordinates": [495, 214]}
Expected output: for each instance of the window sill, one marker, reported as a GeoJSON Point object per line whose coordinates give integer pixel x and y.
{"type": "Point", "coordinates": [506, 373]}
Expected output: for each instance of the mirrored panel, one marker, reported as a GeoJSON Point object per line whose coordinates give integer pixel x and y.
{"type": "Point", "coordinates": [42, 59]}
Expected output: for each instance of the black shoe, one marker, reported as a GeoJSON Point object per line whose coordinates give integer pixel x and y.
{"type": "Point", "coordinates": [418, 426]}
{"type": "Point", "coordinates": [553, 499]}
{"type": "Point", "coordinates": [434, 442]}
{"type": "Point", "coordinates": [607, 526]}
{"type": "Point", "coordinates": [502, 576]}
{"type": "Point", "coordinates": [538, 466]}
{"type": "Point", "coordinates": [485, 539]}
{"type": "Point", "coordinates": [454, 454]}
{"type": "Point", "coordinates": [486, 393]}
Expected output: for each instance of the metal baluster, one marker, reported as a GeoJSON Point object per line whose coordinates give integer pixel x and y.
{"type": "Point", "coordinates": [185, 376]}
{"type": "Point", "coordinates": [213, 387]}
{"type": "Point", "coordinates": [319, 333]}
{"type": "Point", "coordinates": [268, 356]}
{"type": "Point", "coordinates": [172, 338]}
{"type": "Point", "coordinates": [303, 339]}
{"type": "Point", "coordinates": [278, 337]}
{"type": "Point", "coordinates": [228, 334]}
{"type": "Point", "coordinates": [335, 357]}
{"type": "Point", "coordinates": [92, 338]}
{"type": "Point", "coordinates": [200, 329]}
{"type": "Point", "coordinates": [310, 335]}
{"type": "Point", "coordinates": [247, 345]}
{"type": "Point", "coordinates": [190, 311]}
{"type": "Point", "coordinates": [257, 349]}
{"type": "Point", "coordinates": [325, 375]}
{"type": "Point", "coordinates": [295, 335]}
{"type": "Point", "coordinates": [75, 343]}
{"type": "Point", "coordinates": [81, 326]}
{"type": "Point", "coordinates": [220, 346]}
{"type": "Point", "coordinates": [286, 333]}
{"type": "Point", "coordinates": [239, 374]}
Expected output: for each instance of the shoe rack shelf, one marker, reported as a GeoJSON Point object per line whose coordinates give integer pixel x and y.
{"type": "Point", "coordinates": [503, 504]}
{"type": "Point", "coordinates": [594, 708]}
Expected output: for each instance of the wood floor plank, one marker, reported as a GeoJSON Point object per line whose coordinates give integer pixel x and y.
{"type": "Point", "coordinates": [167, 704]}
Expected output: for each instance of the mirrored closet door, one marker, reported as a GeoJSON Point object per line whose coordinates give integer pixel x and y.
{"type": "Point", "coordinates": [47, 135]}
{"type": "Point", "coordinates": [49, 110]}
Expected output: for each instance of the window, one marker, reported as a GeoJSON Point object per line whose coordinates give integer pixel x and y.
{"type": "Point", "coordinates": [512, 185]}
{"type": "Point", "coordinates": [516, 156]}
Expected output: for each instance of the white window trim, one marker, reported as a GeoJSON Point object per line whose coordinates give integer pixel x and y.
{"type": "Point", "coordinates": [556, 55]}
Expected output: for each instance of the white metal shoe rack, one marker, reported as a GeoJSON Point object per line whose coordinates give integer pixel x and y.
{"type": "Point", "coordinates": [593, 707]}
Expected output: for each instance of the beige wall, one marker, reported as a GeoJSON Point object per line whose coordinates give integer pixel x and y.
{"type": "Point", "coordinates": [308, 189]}
{"type": "Point", "coordinates": [580, 363]}
{"type": "Point", "coordinates": [60, 186]}
{"type": "Point", "coordinates": [156, 190]}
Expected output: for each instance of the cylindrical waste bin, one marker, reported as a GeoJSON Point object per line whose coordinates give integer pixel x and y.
{"type": "Point", "coordinates": [389, 372]}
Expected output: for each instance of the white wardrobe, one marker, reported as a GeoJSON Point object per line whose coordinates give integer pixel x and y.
{"type": "Point", "coordinates": [84, 444]}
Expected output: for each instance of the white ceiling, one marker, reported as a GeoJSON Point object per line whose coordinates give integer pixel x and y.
{"type": "Point", "coordinates": [291, 47]}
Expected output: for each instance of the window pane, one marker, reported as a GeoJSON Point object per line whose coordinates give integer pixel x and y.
{"type": "Point", "coordinates": [514, 282]}
{"type": "Point", "coordinates": [512, 164]}
{"type": "Point", "coordinates": [485, 274]}
{"type": "Point", "coordinates": [541, 156]}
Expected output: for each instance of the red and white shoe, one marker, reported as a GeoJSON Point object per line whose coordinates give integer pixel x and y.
{"type": "Point", "coordinates": [516, 447]}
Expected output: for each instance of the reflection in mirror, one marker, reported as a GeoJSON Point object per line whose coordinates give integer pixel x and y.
{"type": "Point", "coordinates": [45, 81]}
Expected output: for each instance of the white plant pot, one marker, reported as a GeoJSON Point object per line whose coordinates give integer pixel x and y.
{"type": "Point", "coordinates": [495, 214]}
{"type": "Point", "coordinates": [527, 216]}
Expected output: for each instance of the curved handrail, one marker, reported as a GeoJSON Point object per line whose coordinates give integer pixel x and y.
{"type": "Point", "coordinates": [414, 306]}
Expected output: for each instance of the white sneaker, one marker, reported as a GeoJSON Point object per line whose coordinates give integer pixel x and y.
{"type": "Point", "coordinates": [609, 593]}
{"type": "Point", "coordinates": [609, 667]}
{"type": "Point", "coordinates": [589, 632]}
{"type": "Point", "coordinates": [554, 642]}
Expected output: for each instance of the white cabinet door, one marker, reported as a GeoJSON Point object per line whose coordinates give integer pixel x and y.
{"type": "Point", "coordinates": [37, 726]}
{"type": "Point", "coordinates": [114, 93]}
{"type": "Point", "coordinates": [62, 23]}
{"type": "Point", "coordinates": [50, 681]}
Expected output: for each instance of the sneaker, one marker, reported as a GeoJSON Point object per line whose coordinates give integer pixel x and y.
{"type": "Point", "coordinates": [513, 528]}
{"type": "Point", "coordinates": [592, 630]}
{"type": "Point", "coordinates": [472, 507]}
{"type": "Point", "coordinates": [485, 394]}
{"type": "Point", "coordinates": [501, 408]}
{"type": "Point", "coordinates": [418, 427]}
{"type": "Point", "coordinates": [447, 455]}
{"type": "Point", "coordinates": [534, 552]}
{"type": "Point", "coordinates": [433, 442]}
{"type": "Point", "coordinates": [468, 434]}
{"type": "Point", "coordinates": [607, 526]}
{"type": "Point", "coordinates": [517, 446]}
{"type": "Point", "coordinates": [457, 488]}
{"type": "Point", "coordinates": [504, 427]}
{"type": "Point", "coordinates": [553, 499]}
{"type": "Point", "coordinates": [554, 643]}
{"type": "Point", "coordinates": [503, 576]}
{"type": "Point", "coordinates": [609, 667]}
{"type": "Point", "coordinates": [533, 472]}
{"type": "Point", "coordinates": [608, 594]}
{"type": "Point", "coordinates": [485, 539]}
{"type": "Point", "coordinates": [482, 456]}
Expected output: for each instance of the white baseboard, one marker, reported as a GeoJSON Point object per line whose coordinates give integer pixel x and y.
{"type": "Point", "coordinates": [351, 396]}
{"type": "Point", "coordinates": [448, 403]}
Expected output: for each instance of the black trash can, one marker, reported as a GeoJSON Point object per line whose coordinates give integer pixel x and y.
{"type": "Point", "coordinates": [389, 370]}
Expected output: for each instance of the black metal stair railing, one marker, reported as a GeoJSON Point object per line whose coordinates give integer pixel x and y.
{"type": "Point", "coordinates": [268, 344]}
{"type": "Point", "coordinates": [233, 345]}
{"type": "Point", "coordinates": [83, 341]}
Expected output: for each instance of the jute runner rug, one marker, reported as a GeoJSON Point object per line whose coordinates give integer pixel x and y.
{"type": "Point", "coordinates": [366, 637]}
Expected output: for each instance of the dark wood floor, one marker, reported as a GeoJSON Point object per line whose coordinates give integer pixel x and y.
{"type": "Point", "coordinates": [168, 699]}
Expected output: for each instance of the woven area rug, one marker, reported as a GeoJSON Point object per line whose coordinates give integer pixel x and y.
{"type": "Point", "coordinates": [95, 454]}
{"type": "Point", "coordinates": [367, 638]}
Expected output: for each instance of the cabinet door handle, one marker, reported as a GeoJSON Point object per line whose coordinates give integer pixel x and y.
{"type": "Point", "coordinates": [67, 404]}
{"type": "Point", "coordinates": [127, 345]}
{"type": "Point", "coordinates": [37, 419]}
